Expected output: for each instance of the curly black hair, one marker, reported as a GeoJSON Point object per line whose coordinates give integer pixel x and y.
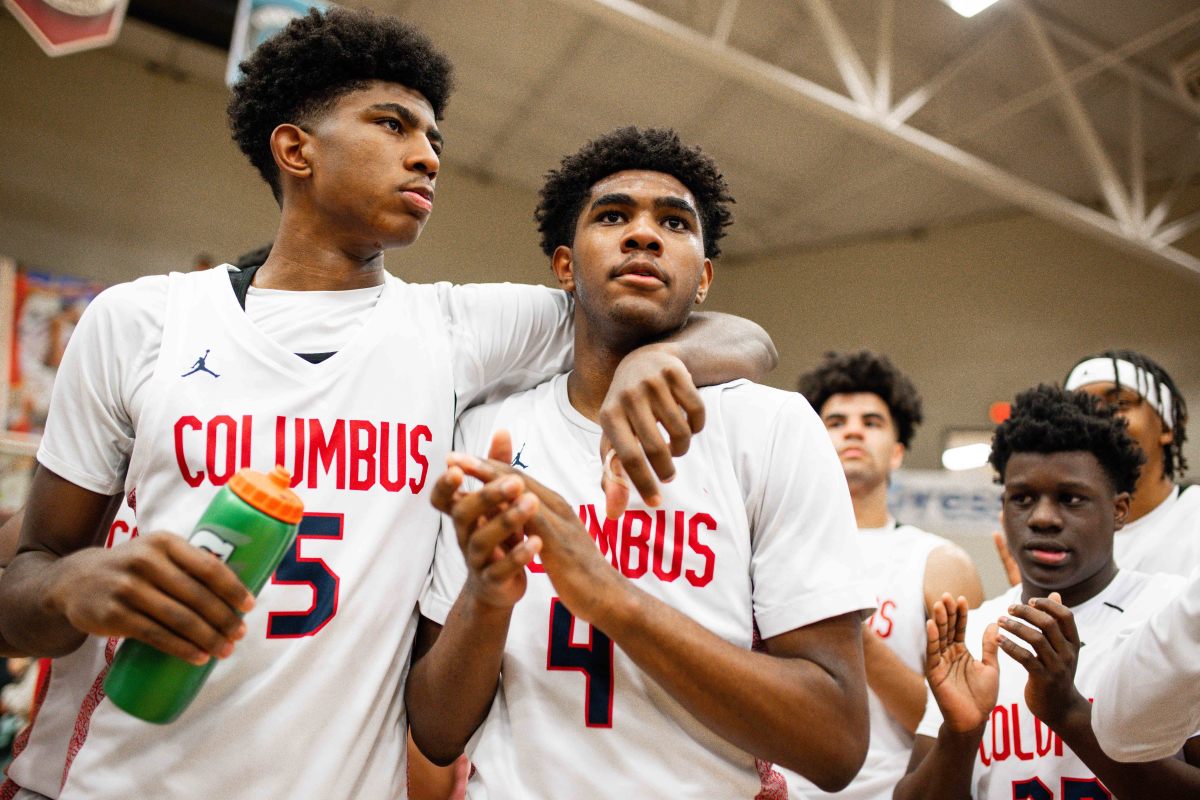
{"type": "Point", "coordinates": [658, 149]}
{"type": "Point", "coordinates": [1047, 419]}
{"type": "Point", "coordinates": [865, 371]}
{"type": "Point", "coordinates": [1149, 369]}
{"type": "Point", "coordinates": [301, 71]}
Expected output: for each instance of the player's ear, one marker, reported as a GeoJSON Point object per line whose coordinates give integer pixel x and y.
{"type": "Point", "coordinates": [1121, 509]}
{"type": "Point", "coordinates": [705, 282]}
{"type": "Point", "coordinates": [292, 150]}
{"type": "Point", "coordinates": [563, 264]}
{"type": "Point", "coordinates": [898, 451]}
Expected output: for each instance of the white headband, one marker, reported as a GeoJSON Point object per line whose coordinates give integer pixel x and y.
{"type": "Point", "coordinates": [1101, 370]}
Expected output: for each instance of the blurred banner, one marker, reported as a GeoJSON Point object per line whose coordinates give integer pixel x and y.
{"type": "Point", "coordinates": [258, 20]}
{"type": "Point", "coordinates": [68, 26]}
{"type": "Point", "coordinates": [45, 309]}
{"type": "Point", "coordinates": [945, 502]}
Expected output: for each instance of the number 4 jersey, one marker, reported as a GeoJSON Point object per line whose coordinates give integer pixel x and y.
{"type": "Point", "coordinates": [756, 528]}
{"type": "Point", "coordinates": [1020, 758]}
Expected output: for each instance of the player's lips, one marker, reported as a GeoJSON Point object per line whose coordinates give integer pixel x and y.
{"type": "Point", "coordinates": [420, 196]}
{"type": "Point", "coordinates": [853, 452]}
{"type": "Point", "coordinates": [1049, 554]}
{"type": "Point", "coordinates": [640, 272]}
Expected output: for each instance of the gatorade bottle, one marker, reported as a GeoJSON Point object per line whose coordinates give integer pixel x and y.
{"type": "Point", "coordinates": [249, 525]}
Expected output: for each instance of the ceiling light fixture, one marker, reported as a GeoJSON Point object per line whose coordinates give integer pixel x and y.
{"type": "Point", "coordinates": [967, 456]}
{"type": "Point", "coordinates": [968, 8]}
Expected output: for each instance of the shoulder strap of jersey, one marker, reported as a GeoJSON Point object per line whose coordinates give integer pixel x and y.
{"type": "Point", "coordinates": [241, 280]}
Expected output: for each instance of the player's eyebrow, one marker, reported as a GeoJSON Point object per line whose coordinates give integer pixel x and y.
{"type": "Point", "coordinates": [612, 199]}
{"type": "Point", "coordinates": [677, 203]}
{"type": "Point", "coordinates": [410, 119]}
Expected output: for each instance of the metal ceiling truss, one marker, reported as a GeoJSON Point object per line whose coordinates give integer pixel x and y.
{"type": "Point", "coordinates": [867, 108]}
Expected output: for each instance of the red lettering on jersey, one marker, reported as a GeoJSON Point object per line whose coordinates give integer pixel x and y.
{"type": "Point", "coordinates": [638, 543]}
{"type": "Point", "coordinates": [1016, 735]}
{"type": "Point", "coordinates": [120, 528]}
{"type": "Point", "coordinates": [362, 454]}
{"type": "Point", "coordinates": [281, 424]}
{"type": "Point", "coordinates": [214, 443]}
{"type": "Point", "coordinates": [882, 622]}
{"type": "Point", "coordinates": [604, 534]}
{"type": "Point", "coordinates": [1000, 734]}
{"type": "Point", "coordinates": [701, 549]}
{"type": "Point", "coordinates": [418, 433]}
{"type": "Point", "coordinates": [192, 479]}
{"type": "Point", "coordinates": [1038, 747]}
{"type": "Point", "coordinates": [327, 452]}
{"type": "Point", "coordinates": [391, 485]}
{"type": "Point", "coordinates": [668, 574]}
{"type": "Point", "coordinates": [983, 756]}
{"type": "Point", "coordinates": [247, 438]}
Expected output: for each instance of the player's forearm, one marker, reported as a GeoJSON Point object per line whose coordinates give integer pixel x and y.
{"type": "Point", "coordinates": [451, 688]}
{"type": "Point", "coordinates": [30, 623]}
{"type": "Point", "coordinates": [717, 348]}
{"type": "Point", "coordinates": [945, 771]}
{"type": "Point", "coordinates": [1168, 777]}
{"type": "Point", "coordinates": [790, 711]}
{"type": "Point", "coordinates": [900, 689]}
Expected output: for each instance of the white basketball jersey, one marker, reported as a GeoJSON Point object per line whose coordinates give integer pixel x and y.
{"type": "Point", "coordinates": [363, 434]}
{"type": "Point", "coordinates": [756, 527]}
{"type": "Point", "coordinates": [893, 559]}
{"type": "Point", "coordinates": [1165, 540]}
{"type": "Point", "coordinates": [1020, 757]}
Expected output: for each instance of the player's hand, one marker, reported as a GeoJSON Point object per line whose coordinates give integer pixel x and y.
{"type": "Point", "coordinates": [650, 387]}
{"type": "Point", "coordinates": [965, 689]}
{"type": "Point", "coordinates": [489, 524]}
{"type": "Point", "coordinates": [581, 577]}
{"type": "Point", "coordinates": [1050, 691]}
{"type": "Point", "coordinates": [157, 589]}
{"type": "Point", "coordinates": [1011, 571]}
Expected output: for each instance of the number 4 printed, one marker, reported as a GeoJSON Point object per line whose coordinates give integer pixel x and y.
{"type": "Point", "coordinates": [594, 660]}
{"type": "Point", "coordinates": [299, 570]}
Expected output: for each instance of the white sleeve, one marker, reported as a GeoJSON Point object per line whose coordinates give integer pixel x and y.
{"type": "Point", "coordinates": [1147, 700]}
{"type": "Point", "coordinates": [89, 431]}
{"type": "Point", "coordinates": [931, 722]}
{"type": "Point", "coordinates": [805, 562]}
{"type": "Point", "coordinates": [506, 337]}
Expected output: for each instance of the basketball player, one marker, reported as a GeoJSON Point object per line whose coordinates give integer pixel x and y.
{"type": "Point", "coordinates": [870, 410]}
{"type": "Point", "coordinates": [1013, 683]}
{"type": "Point", "coordinates": [1163, 530]}
{"type": "Point", "coordinates": [328, 365]}
{"type": "Point", "coordinates": [620, 664]}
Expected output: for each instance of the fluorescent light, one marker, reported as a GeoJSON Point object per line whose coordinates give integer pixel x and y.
{"type": "Point", "coordinates": [969, 8]}
{"type": "Point", "coordinates": [967, 456]}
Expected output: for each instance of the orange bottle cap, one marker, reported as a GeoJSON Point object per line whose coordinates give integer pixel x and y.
{"type": "Point", "coordinates": [270, 493]}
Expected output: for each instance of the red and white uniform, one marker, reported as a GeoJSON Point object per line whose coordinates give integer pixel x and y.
{"type": "Point", "coordinates": [1165, 540]}
{"type": "Point", "coordinates": [1020, 758]}
{"type": "Point", "coordinates": [310, 703]}
{"type": "Point", "coordinates": [893, 560]}
{"type": "Point", "coordinates": [756, 528]}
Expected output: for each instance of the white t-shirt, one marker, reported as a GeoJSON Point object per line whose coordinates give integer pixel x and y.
{"type": "Point", "coordinates": [310, 322]}
{"type": "Point", "coordinates": [1018, 750]}
{"type": "Point", "coordinates": [1165, 540]}
{"type": "Point", "coordinates": [1148, 694]}
{"type": "Point", "coordinates": [756, 528]}
{"type": "Point", "coordinates": [894, 558]}
{"type": "Point", "coordinates": [166, 388]}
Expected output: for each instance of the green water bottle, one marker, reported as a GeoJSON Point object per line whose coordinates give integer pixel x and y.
{"type": "Point", "coordinates": [250, 524]}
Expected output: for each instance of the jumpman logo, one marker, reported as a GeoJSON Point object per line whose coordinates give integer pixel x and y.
{"type": "Point", "coordinates": [200, 366]}
{"type": "Point", "coordinates": [517, 462]}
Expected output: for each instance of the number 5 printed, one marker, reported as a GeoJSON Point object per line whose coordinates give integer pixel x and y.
{"type": "Point", "coordinates": [1072, 789]}
{"type": "Point", "coordinates": [594, 660]}
{"type": "Point", "coordinates": [299, 570]}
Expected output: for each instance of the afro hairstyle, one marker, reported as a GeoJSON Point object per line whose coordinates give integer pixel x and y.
{"type": "Point", "coordinates": [302, 71]}
{"type": "Point", "coordinates": [657, 149]}
{"type": "Point", "coordinates": [1047, 419]}
{"type": "Point", "coordinates": [1174, 462]}
{"type": "Point", "coordinates": [865, 371]}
